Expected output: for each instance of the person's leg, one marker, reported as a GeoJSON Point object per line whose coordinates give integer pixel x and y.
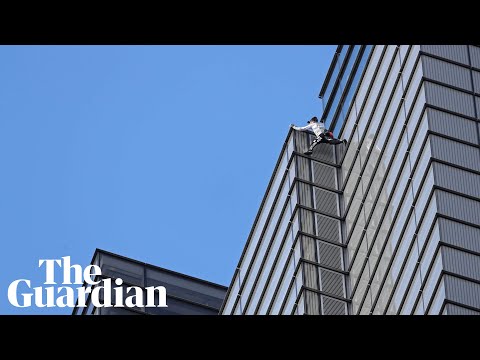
{"type": "Point", "coordinates": [335, 141]}
{"type": "Point", "coordinates": [314, 143]}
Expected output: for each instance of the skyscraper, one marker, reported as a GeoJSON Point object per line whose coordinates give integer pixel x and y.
{"type": "Point", "coordinates": [390, 222]}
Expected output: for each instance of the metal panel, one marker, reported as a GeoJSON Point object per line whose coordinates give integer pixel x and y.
{"type": "Point", "coordinates": [445, 123]}
{"type": "Point", "coordinates": [306, 221]}
{"type": "Point", "coordinates": [475, 56]}
{"type": "Point", "coordinates": [328, 228]}
{"type": "Point", "coordinates": [462, 291]}
{"type": "Point", "coordinates": [310, 274]}
{"type": "Point", "coordinates": [330, 255]}
{"type": "Point", "coordinates": [456, 179]}
{"type": "Point", "coordinates": [447, 73]}
{"type": "Point", "coordinates": [333, 306]}
{"type": "Point", "coordinates": [302, 141]}
{"type": "Point", "coordinates": [312, 303]}
{"type": "Point", "coordinates": [117, 267]}
{"type": "Point", "coordinates": [303, 168]}
{"type": "Point", "coordinates": [460, 235]}
{"type": "Point", "coordinates": [309, 248]}
{"type": "Point", "coordinates": [455, 152]}
{"type": "Point", "coordinates": [456, 53]}
{"type": "Point", "coordinates": [461, 263]}
{"type": "Point", "coordinates": [458, 207]}
{"type": "Point", "coordinates": [324, 175]}
{"type": "Point", "coordinates": [305, 194]}
{"type": "Point", "coordinates": [449, 99]}
{"type": "Point", "coordinates": [326, 201]}
{"type": "Point", "coordinates": [451, 309]}
{"type": "Point", "coordinates": [332, 282]}
{"type": "Point", "coordinates": [324, 152]}
{"type": "Point", "coordinates": [477, 104]}
{"type": "Point", "coordinates": [476, 81]}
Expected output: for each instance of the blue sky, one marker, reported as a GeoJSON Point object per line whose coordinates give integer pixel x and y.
{"type": "Point", "coordinates": [158, 153]}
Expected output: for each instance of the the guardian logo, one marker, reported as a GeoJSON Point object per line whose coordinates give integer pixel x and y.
{"type": "Point", "coordinates": [20, 292]}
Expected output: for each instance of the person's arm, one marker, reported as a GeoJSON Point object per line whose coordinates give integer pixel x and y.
{"type": "Point", "coordinates": [309, 126]}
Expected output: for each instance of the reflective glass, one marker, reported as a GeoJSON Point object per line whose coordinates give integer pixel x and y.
{"type": "Point", "coordinates": [336, 71]}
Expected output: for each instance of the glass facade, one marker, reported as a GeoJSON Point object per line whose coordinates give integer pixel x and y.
{"type": "Point", "coordinates": [342, 83]}
{"type": "Point", "coordinates": [186, 295]}
{"type": "Point", "coordinates": [363, 228]}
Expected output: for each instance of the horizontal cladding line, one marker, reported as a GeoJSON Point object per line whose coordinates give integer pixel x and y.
{"type": "Point", "coordinates": [297, 179]}
{"type": "Point", "coordinates": [432, 159]}
{"type": "Point", "coordinates": [456, 166]}
{"type": "Point", "coordinates": [274, 264]}
{"type": "Point", "coordinates": [419, 225]}
{"type": "Point", "coordinates": [446, 217]}
{"type": "Point", "coordinates": [315, 159]}
{"type": "Point", "coordinates": [417, 228]}
{"type": "Point", "coordinates": [440, 277]}
{"type": "Point", "coordinates": [280, 281]}
{"type": "Point", "coordinates": [453, 62]}
{"type": "Point", "coordinates": [459, 248]}
{"type": "Point", "coordinates": [321, 212]}
{"type": "Point", "coordinates": [319, 238]}
{"type": "Point", "coordinates": [450, 112]}
{"type": "Point", "coordinates": [327, 294]}
{"type": "Point", "coordinates": [335, 165]}
{"type": "Point", "coordinates": [465, 306]}
{"type": "Point", "coordinates": [452, 87]}
{"type": "Point", "coordinates": [422, 252]}
{"type": "Point", "coordinates": [388, 136]}
{"type": "Point", "coordinates": [428, 133]}
{"type": "Point", "coordinates": [454, 192]}
{"type": "Point", "coordinates": [262, 204]}
{"type": "Point", "coordinates": [310, 262]}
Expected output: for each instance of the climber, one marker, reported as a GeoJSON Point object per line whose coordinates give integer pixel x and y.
{"type": "Point", "coordinates": [321, 134]}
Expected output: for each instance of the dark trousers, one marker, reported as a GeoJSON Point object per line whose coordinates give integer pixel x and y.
{"type": "Point", "coordinates": [316, 141]}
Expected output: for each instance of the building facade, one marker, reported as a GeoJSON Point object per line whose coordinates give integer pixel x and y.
{"type": "Point", "coordinates": [185, 294]}
{"type": "Point", "coordinates": [390, 222]}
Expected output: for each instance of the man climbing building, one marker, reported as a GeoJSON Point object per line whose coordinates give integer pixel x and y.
{"type": "Point", "coordinates": [321, 135]}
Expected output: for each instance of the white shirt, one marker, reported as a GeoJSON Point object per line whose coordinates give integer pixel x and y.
{"type": "Point", "coordinates": [317, 127]}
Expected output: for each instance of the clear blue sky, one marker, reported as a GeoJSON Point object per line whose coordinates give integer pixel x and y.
{"type": "Point", "coordinates": [158, 153]}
